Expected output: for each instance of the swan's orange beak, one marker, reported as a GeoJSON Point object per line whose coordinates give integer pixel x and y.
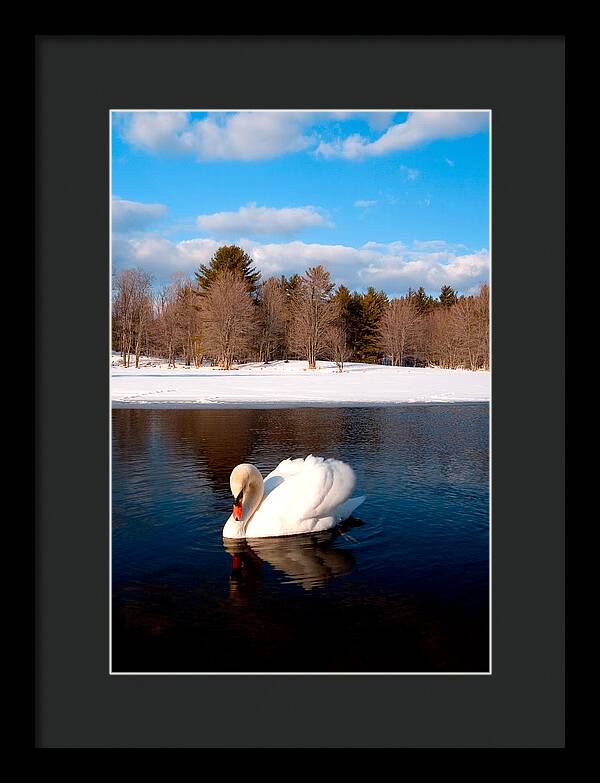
{"type": "Point", "coordinates": [237, 511]}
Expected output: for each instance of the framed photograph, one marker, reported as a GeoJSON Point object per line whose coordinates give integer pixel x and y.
{"type": "Point", "coordinates": [290, 416]}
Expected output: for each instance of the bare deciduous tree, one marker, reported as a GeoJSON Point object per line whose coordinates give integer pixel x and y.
{"type": "Point", "coordinates": [165, 332]}
{"type": "Point", "coordinates": [228, 319]}
{"type": "Point", "coordinates": [336, 345]}
{"type": "Point", "coordinates": [458, 335]}
{"type": "Point", "coordinates": [271, 318]}
{"type": "Point", "coordinates": [312, 314]}
{"type": "Point", "coordinates": [188, 321]}
{"type": "Point", "coordinates": [465, 323]}
{"type": "Point", "coordinates": [176, 323]}
{"type": "Point", "coordinates": [398, 329]}
{"type": "Point", "coordinates": [483, 324]}
{"type": "Point", "coordinates": [132, 312]}
{"type": "Point", "coordinates": [440, 344]}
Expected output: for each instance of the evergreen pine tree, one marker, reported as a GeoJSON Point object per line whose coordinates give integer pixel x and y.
{"type": "Point", "coordinates": [373, 305]}
{"type": "Point", "coordinates": [350, 310]}
{"type": "Point", "coordinates": [448, 296]}
{"type": "Point", "coordinates": [290, 286]}
{"type": "Point", "coordinates": [422, 302]}
{"type": "Point", "coordinates": [229, 257]}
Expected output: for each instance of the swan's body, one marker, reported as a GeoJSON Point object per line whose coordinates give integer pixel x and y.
{"type": "Point", "coordinates": [299, 496]}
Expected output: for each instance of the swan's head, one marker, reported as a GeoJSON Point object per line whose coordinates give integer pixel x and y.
{"type": "Point", "coordinates": [246, 487]}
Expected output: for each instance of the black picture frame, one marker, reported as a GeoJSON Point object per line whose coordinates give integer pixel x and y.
{"type": "Point", "coordinates": [78, 80]}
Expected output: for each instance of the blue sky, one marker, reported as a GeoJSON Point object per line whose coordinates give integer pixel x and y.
{"type": "Point", "coordinates": [390, 199]}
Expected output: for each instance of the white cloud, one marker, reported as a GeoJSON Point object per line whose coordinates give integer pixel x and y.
{"type": "Point", "coordinates": [437, 245]}
{"type": "Point", "coordinates": [430, 245]}
{"type": "Point", "coordinates": [160, 256]}
{"type": "Point", "coordinates": [379, 120]}
{"type": "Point", "coordinates": [156, 131]}
{"type": "Point", "coordinates": [419, 128]}
{"type": "Point", "coordinates": [410, 174]}
{"type": "Point", "coordinates": [391, 266]}
{"type": "Point", "coordinates": [259, 135]}
{"type": "Point", "coordinates": [253, 220]}
{"type": "Point", "coordinates": [219, 136]}
{"type": "Point", "coordinates": [378, 264]}
{"type": "Point", "coordinates": [133, 215]}
{"type": "Point", "coordinates": [432, 270]}
{"type": "Point", "coordinates": [297, 256]}
{"type": "Point", "coordinates": [365, 204]}
{"type": "Point", "coordinates": [386, 247]}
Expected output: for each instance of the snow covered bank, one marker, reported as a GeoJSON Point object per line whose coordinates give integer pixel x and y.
{"type": "Point", "coordinates": [291, 384]}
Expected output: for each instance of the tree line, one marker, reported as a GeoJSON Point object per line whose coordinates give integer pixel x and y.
{"type": "Point", "coordinates": [227, 314]}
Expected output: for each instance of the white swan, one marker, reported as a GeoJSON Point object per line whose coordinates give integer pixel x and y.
{"type": "Point", "coordinates": [299, 496]}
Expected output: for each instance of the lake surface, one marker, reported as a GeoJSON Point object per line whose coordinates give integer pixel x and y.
{"type": "Point", "coordinates": [404, 588]}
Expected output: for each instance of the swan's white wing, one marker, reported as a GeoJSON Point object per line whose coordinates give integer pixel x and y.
{"type": "Point", "coordinates": [350, 505]}
{"type": "Point", "coordinates": [286, 468]}
{"type": "Point", "coordinates": [307, 489]}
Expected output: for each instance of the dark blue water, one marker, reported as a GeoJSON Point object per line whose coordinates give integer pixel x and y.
{"type": "Point", "coordinates": [403, 588]}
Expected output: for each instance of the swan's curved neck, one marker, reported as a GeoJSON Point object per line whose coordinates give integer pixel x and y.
{"type": "Point", "coordinates": [253, 495]}
{"type": "Point", "coordinates": [253, 490]}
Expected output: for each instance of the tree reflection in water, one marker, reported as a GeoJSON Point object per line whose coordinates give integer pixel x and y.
{"type": "Point", "coordinates": [217, 440]}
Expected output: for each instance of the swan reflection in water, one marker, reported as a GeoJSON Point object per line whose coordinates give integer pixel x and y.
{"type": "Point", "coordinates": [309, 560]}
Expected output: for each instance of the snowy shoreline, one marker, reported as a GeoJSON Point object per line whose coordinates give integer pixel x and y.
{"type": "Point", "coordinates": [290, 385]}
{"type": "Point", "coordinates": [274, 405]}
